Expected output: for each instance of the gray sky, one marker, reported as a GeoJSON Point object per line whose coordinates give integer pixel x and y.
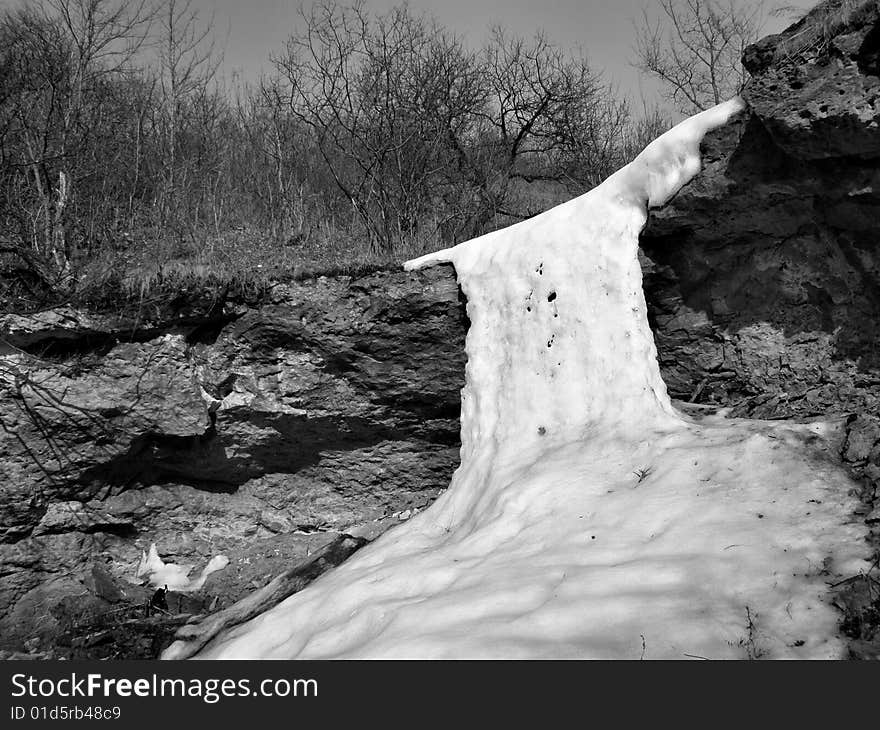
{"type": "Point", "coordinates": [249, 30]}
{"type": "Point", "coordinates": [602, 28]}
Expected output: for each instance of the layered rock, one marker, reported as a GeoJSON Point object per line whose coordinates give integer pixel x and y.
{"type": "Point", "coordinates": [332, 405]}
{"type": "Point", "coordinates": [763, 274]}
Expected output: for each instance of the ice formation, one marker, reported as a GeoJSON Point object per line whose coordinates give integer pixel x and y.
{"type": "Point", "coordinates": [173, 576]}
{"type": "Point", "coordinates": [588, 517]}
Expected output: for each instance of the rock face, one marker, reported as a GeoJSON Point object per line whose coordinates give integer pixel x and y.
{"type": "Point", "coordinates": [332, 405]}
{"type": "Point", "coordinates": [764, 273]}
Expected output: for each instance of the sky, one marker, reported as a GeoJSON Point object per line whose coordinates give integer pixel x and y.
{"type": "Point", "coordinates": [249, 31]}
{"type": "Point", "coordinates": [252, 29]}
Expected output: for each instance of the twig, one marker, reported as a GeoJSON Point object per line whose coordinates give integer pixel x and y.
{"type": "Point", "coordinates": [643, 474]}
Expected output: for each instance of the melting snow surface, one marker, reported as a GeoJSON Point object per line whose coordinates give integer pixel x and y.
{"type": "Point", "coordinates": [588, 517]}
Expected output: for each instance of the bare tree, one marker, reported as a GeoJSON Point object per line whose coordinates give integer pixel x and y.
{"type": "Point", "coordinates": [277, 167]}
{"type": "Point", "coordinates": [60, 59]}
{"type": "Point", "coordinates": [536, 97]}
{"type": "Point", "coordinates": [694, 49]}
{"type": "Point", "coordinates": [188, 63]}
{"type": "Point", "coordinates": [380, 95]}
{"type": "Point", "coordinates": [417, 130]}
{"type": "Point", "coordinates": [121, 150]}
{"type": "Point", "coordinates": [607, 138]}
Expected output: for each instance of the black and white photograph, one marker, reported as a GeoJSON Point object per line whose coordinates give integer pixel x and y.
{"type": "Point", "coordinates": [463, 330]}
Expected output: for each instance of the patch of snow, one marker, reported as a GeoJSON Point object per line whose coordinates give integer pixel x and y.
{"type": "Point", "coordinates": [173, 576]}
{"type": "Point", "coordinates": [588, 518]}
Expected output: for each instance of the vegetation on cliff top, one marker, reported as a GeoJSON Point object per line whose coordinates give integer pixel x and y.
{"type": "Point", "coordinates": [131, 168]}
{"type": "Point", "coordinates": [128, 162]}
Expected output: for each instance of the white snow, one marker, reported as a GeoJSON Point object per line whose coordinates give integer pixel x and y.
{"type": "Point", "coordinates": [588, 517]}
{"type": "Point", "coordinates": [173, 576]}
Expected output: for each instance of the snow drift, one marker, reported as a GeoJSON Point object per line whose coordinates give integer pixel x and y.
{"type": "Point", "coordinates": [159, 574]}
{"type": "Point", "coordinates": [588, 517]}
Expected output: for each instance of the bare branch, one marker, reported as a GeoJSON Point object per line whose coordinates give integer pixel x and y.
{"type": "Point", "coordinates": [694, 48]}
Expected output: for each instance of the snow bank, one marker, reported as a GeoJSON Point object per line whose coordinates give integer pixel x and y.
{"type": "Point", "coordinates": [588, 518]}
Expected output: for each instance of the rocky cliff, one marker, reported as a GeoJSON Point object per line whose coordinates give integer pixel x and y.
{"type": "Point", "coordinates": [261, 430]}
{"type": "Point", "coordinates": [763, 274]}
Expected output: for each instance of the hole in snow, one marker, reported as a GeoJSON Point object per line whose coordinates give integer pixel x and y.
{"type": "Point", "coordinates": [551, 296]}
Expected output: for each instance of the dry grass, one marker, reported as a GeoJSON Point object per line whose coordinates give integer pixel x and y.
{"type": "Point", "coordinates": [811, 36]}
{"type": "Point", "coordinates": [149, 266]}
{"type": "Point", "coordinates": [241, 263]}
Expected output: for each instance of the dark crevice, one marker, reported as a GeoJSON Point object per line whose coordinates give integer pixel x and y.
{"type": "Point", "coordinates": [424, 406]}
{"type": "Point", "coordinates": [462, 310]}
{"type": "Point", "coordinates": [59, 345]}
{"type": "Point", "coordinates": [868, 57]}
{"type": "Point", "coordinates": [155, 458]}
{"type": "Point", "coordinates": [124, 529]}
{"type": "Point", "coordinates": [222, 389]}
{"type": "Point", "coordinates": [285, 444]}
